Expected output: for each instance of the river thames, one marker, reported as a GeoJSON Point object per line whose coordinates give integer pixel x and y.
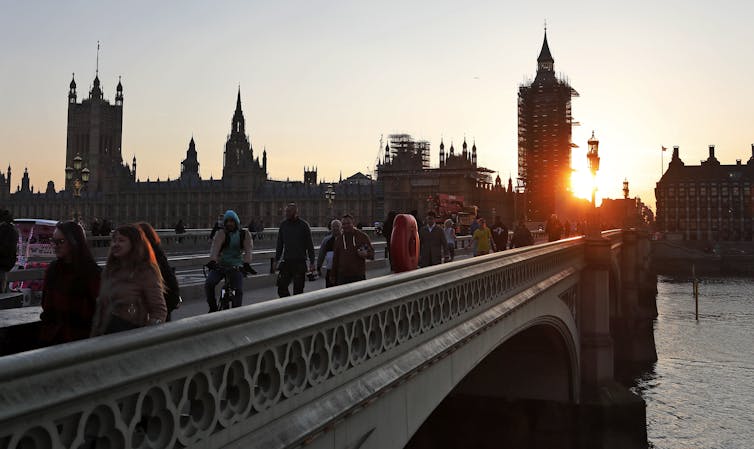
{"type": "Point", "coordinates": [700, 393]}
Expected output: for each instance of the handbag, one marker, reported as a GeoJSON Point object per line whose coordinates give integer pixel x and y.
{"type": "Point", "coordinates": [118, 324]}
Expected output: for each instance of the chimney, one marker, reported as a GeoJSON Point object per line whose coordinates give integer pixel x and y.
{"type": "Point", "coordinates": [738, 161]}
{"type": "Point", "coordinates": [711, 151]}
{"type": "Point", "coordinates": [752, 150]}
{"type": "Point", "coordinates": [675, 151]}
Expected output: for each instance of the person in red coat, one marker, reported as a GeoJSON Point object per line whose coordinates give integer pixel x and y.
{"type": "Point", "coordinates": [70, 289]}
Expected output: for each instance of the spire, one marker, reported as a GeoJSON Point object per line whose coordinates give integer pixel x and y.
{"type": "Point", "coordinates": [190, 165]}
{"type": "Point", "coordinates": [119, 93]}
{"type": "Point", "coordinates": [545, 60]}
{"type": "Point", "coordinates": [96, 91]}
{"type": "Point", "coordinates": [239, 123]}
{"type": "Point", "coordinates": [72, 89]}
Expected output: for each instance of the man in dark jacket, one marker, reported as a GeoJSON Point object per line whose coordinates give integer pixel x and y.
{"type": "Point", "coordinates": [294, 247]}
{"type": "Point", "coordinates": [351, 249]}
{"type": "Point", "coordinates": [8, 245]}
{"type": "Point", "coordinates": [521, 236]}
{"type": "Point", "coordinates": [553, 228]}
{"type": "Point", "coordinates": [500, 235]}
{"type": "Point", "coordinates": [433, 244]}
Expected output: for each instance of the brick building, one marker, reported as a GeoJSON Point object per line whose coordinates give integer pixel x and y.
{"type": "Point", "coordinates": [710, 201]}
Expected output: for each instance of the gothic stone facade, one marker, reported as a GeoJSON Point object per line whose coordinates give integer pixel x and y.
{"type": "Point", "coordinates": [113, 191]}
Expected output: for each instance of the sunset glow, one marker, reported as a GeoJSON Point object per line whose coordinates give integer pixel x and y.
{"type": "Point", "coordinates": [312, 71]}
{"type": "Point", "coordinates": [581, 185]}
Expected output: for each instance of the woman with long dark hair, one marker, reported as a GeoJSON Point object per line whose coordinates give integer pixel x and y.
{"type": "Point", "coordinates": [71, 286]}
{"type": "Point", "coordinates": [172, 295]}
{"type": "Point", "coordinates": [131, 294]}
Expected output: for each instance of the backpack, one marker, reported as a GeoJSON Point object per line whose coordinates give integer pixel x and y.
{"type": "Point", "coordinates": [8, 245]}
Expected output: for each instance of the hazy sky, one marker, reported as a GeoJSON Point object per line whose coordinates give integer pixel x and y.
{"type": "Point", "coordinates": [321, 81]}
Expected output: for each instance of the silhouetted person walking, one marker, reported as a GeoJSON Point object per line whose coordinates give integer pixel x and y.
{"type": "Point", "coordinates": [294, 246]}
{"type": "Point", "coordinates": [521, 236]}
{"type": "Point", "coordinates": [553, 228]}
{"type": "Point", "coordinates": [500, 235]}
{"type": "Point", "coordinates": [432, 242]}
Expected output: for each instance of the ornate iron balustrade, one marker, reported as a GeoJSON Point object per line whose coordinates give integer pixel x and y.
{"type": "Point", "coordinates": [209, 380]}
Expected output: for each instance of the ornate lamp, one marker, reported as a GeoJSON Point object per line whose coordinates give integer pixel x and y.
{"type": "Point", "coordinates": [77, 161]}
{"type": "Point", "coordinates": [625, 189]}
{"type": "Point", "coordinates": [330, 197]}
{"type": "Point", "coordinates": [593, 158]}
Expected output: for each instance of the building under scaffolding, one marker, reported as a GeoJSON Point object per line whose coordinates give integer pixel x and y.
{"type": "Point", "coordinates": [405, 144]}
{"type": "Point", "coordinates": [544, 138]}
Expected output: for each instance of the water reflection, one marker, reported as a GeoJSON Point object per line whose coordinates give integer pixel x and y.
{"type": "Point", "coordinates": [699, 392]}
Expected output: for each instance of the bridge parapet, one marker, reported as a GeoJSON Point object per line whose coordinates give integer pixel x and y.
{"type": "Point", "coordinates": [283, 373]}
{"type": "Point", "coordinates": [212, 379]}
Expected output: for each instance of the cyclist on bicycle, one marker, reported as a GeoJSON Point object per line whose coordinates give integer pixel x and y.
{"type": "Point", "coordinates": [230, 255]}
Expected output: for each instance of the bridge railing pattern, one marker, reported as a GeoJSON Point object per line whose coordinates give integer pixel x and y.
{"type": "Point", "coordinates": [207, 380]}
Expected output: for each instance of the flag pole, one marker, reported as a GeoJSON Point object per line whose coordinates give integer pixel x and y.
{"type": "Point", "coordinates": [662, 160]}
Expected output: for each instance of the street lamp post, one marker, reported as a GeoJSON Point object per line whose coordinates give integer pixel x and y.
{"type": "Point", "coordinates": [627, 216]}
{"type": "Point", "coordinates": [593, 158]}
{"type": "Point", "coordinates": [521, 190]}
{"type": "Point", "coordinates": [79, 176]}
{"type": "Point", "coordinates": [330, 197]}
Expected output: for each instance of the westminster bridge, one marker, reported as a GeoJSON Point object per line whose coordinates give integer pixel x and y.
{"type": "Point", "coordinates": [367, 365]}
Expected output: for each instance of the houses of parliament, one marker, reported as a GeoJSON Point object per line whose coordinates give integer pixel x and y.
{"type": "Point", "coordinates": [100, 184]}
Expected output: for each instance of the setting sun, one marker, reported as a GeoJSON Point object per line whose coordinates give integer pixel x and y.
{"type": "Point", "coordinates": [581, 184]}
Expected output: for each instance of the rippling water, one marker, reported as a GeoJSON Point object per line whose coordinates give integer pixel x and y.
{"type": "Point", "coordinates": [700, 393]}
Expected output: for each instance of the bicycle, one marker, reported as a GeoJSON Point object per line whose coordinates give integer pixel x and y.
{"type": "Point", "coordinates": [227, 292]}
